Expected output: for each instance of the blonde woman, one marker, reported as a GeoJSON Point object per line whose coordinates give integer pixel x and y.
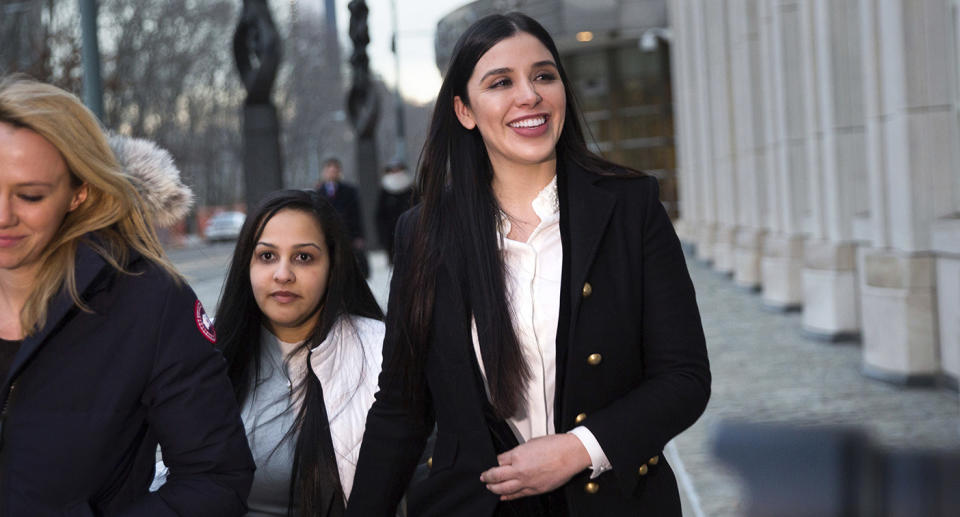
{"type": "Point", "coordinates": [104, 351]}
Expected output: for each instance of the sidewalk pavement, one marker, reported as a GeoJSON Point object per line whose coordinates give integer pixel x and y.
{"type": "Point", "coordinates": [765, 370]}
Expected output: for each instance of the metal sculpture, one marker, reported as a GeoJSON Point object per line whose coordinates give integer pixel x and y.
{"type": "Point", "coordinates": [363, 108]}
{"type": "Point", "coordinates": [362, 102]}
{"type": "Point", "coordinates": [256, 48]}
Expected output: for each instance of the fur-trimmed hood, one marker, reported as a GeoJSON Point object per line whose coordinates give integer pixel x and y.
{"type": "Point", "coordinates": [155, 176]}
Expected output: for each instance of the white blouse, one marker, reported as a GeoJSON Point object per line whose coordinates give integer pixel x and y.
{"type": "Point", "coordinates": [533, 274]}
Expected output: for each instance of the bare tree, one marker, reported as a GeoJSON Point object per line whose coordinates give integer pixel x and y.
{"type": "Point", "coordinates": [169, 76]}
{"type": "Point", "coordinates": [310, 99]}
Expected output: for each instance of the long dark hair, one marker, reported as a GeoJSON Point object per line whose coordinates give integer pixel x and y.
{"type": "Point", "coordinates": [239, 320]}
{"type": "Point", "coordinates": [459, 206]}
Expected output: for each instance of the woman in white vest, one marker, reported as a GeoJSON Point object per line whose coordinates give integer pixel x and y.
{"type": "Point", "coordinates": [302, 335]}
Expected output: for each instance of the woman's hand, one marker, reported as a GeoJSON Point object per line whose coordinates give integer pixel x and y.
{"type": "Point", "coordinates": [538, 466]}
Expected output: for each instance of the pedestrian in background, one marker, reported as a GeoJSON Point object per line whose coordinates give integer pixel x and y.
{"type": "Point", "coordinates": [106, 351]}
{"type": "Point", "coordinates": [302, 335]}
{"type": "Point", "coordinates": [343, 196]}
{"type": "Point", "coordinates": [540, 314]}
{"type": "Point", "coordinates": [396, 197]}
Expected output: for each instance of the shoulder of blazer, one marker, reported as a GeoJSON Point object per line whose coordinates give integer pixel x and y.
{"type": "Point", "coordinates": [630, 189]}
{"type": "Point", "coordinates": [403, 236]}
{"type": "Point", "coordinates": [626, 182]}
{"type": "Point", "coordinates": [408, 219]}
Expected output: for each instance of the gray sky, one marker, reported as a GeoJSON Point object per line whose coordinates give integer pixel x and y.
{"type": "Point", "coordinates": [417, 22]}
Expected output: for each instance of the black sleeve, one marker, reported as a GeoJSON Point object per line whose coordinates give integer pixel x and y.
{"type": "Point", "coordinates": [676, 385]}
{"type": "Point", "coordinates": [396, 429]}
{"type": "Point", "coordinates": [194, 415]}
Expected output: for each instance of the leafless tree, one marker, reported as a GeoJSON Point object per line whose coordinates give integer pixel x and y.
{"type": "Point", "coordinates": [168, 75]}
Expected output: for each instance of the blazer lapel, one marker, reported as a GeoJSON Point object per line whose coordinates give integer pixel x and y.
{"type": "Point", "coordinates": [585, 211]}
{"type": "Point", "coordinates": [88, 266]}
{"type": "Point", "coordinates": [589, 209]}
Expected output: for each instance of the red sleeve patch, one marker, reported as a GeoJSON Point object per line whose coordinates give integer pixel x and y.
{"type": "Point", "coordinates": [204, 324]}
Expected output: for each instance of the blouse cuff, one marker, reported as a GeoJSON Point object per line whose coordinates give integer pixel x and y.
{"type": "Point", "coordinates": [598, 460]}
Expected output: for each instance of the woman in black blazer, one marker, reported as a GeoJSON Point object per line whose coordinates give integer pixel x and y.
{"type": "Point", "coordinates": [541, 314]}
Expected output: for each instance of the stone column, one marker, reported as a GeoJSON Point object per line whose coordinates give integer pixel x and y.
{"type": "Point", "coordinates": [748, 111]}
{"type": "Point", "coordinates": [722, 133]}
{"type": "Point", "coordinates": [808, 125]}
{"type": "Point", "coordinates": [683, 99]}
{"type": "Point", "coordinates": [772, 104]}
{"type": "Point", "coordinates": [831, 301]}
{"type": "Point", "coordinates": [782, 262]}
{"type": "Point", "coordinates": [946, 243]}
{"type": "Point", "coordinates": [707, 184]}
{"type": "Point", "coordinates": [909, 69]}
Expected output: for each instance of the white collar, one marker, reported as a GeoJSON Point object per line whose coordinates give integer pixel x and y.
{"type": "Point", "coordinates": [546, 205]}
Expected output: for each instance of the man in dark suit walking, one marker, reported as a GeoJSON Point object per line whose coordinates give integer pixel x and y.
{"type": "Point", "coordinates": [343, 196]}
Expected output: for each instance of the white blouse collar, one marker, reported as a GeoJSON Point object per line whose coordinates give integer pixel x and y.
{"type": "Point", "coordinates": [546, 205]}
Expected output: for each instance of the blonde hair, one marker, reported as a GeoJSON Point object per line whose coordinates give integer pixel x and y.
{"type": "Point", "coordinates": [113, 209]}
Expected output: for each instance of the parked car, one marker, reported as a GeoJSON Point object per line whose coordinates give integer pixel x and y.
{"type": "Point", "coordinates": [224, 226]}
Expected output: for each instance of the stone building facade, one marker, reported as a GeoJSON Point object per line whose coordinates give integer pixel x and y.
{"type": "Point", "coordinates": [818, 149]}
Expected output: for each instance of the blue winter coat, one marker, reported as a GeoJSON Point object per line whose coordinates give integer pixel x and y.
{"type": "Point", "coordinates": [89, 397]}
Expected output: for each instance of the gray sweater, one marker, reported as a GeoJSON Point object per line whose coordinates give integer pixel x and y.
{"type": "Point", "coordinates": [347, 364]}
{"type": "Point", "coordinates": [268, 413]}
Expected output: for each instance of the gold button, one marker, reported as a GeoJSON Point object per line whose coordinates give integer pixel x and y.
{"type": "Point", "coordinates": [654, 460]}
{"type": "Point", "coordinates": [430, 462]}
{"type": "Point", "coordinates": [594, 359]}
{"type": "Point", "coordinates": [591, 487]}
{"type": "Point", "coordinates": [643, 469]}
{"type": "Point", "coordinates": [580, 418]}
{"type": "Point", "coordinates": [587, 289]}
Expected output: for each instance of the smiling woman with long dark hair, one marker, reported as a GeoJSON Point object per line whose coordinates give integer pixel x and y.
{"type": "Point", "coordinates": [541, 314]}
{"type": "Point", "coordinates": [301, 333]}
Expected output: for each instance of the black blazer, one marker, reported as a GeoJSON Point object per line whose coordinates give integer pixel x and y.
{"type": "Point", "coordinates": [631, 358]}
{"type": "Point", "coordinates": [89, 397]}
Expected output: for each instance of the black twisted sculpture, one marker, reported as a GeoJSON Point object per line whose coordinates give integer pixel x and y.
{"type": "Point", "coordinates": [363, 105]}
{"type": "Point", "coordinates": [256, 48]}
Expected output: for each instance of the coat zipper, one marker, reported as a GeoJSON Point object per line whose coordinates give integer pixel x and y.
{"type": "Point", "coordinates": [6, 403]}
{"type": "Point", "coordinates": [3, 412]}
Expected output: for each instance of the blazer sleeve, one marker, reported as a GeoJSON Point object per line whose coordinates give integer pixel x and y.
{"type": "Point", "coordinates": [676, 372]}
{"type": "Point", "coordinates": [396, 428]}
{"type": "Point", "coordinates": [194, 415]}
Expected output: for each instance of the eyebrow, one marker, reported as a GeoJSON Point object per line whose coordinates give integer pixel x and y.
{"type": "Point", "coordinates": [303, 245]}
{"type": "Point", "coordinates": [506, 70]}
{"type": "Point", "coordinates": [35, 184]}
